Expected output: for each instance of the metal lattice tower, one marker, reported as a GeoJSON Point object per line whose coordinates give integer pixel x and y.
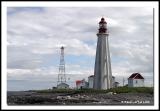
{"type": "Point", "coordinates": [61, 75]}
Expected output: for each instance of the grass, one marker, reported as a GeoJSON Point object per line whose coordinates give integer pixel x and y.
{"type": "Point", "coordinates": [132, 90]}
{"type": "Point", "coordinates": [115, 90]}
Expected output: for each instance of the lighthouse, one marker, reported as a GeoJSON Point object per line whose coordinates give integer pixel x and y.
{"type": "Point", "coordinates": [102, 70]}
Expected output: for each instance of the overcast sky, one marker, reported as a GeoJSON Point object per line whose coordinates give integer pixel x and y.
{"type": "Point", "coordinates": [35, 35]}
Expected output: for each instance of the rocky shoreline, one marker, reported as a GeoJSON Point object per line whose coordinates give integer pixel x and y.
{"type": "Point", "coordinates": [34, 98]}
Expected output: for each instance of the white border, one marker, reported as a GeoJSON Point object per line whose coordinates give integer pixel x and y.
{"type": "Point", "coordinates": [81, 4]}
{"type": "Point", "coordinates": [77, 4]}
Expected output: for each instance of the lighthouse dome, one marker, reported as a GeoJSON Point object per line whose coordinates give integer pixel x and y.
{"type": "Point", "coordinates": [102, 21]}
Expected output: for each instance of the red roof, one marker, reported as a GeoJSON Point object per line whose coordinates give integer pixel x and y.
{"type": "Point", "coordinates": [78, 82]}
{"type": "Point", "coordinates": [102, 21]}
{"type": "Point", "coordinates": [136, 76]}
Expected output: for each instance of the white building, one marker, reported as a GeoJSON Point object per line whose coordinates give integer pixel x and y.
{"type": "Point", "coordinates": [62, 86]}
{"type": "Point", "coordinates": [81, 84]}
{"type": "Point", "coordinates": [115, 84]}
{"type": "Point", "coordinates": [136, 80]}
{"type": "Point", "coordinates": [90, 81]}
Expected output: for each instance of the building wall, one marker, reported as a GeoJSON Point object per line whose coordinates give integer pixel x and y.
{"type": "Point", "coordinates": [130, 83]}
{"type": "Point", "coordinates": [135, 82]}
{"type": "Point", "coordinates": [138, 82]}
{"type": "Point", "coordinates": [82, 84]}
{"type": "Point", "coordinates": [78, 86]}
{"type": "Point", "coordinates": [90, 81]}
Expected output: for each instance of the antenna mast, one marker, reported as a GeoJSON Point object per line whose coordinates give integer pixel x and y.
{"type": "Point", "coordinates": [61, 75]}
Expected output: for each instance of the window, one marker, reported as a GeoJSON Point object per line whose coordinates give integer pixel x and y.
{"type": "Point", "coordinates": [136, 81]}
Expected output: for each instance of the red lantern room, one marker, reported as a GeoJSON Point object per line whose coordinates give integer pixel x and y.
{"type": "Point", "coordinates": [102, 26]}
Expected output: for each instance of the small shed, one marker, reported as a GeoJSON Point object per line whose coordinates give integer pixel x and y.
{"type": "Point", "coordinates": [90, 81]}
{"type": "Point", "coordinates": [116, 84]}
{"type": "Point", "coordinates": [62, 86]}
{"type": "Point", "coordinates": [81, 84]}
{"type": "Point", "coordinates": [136, 80]}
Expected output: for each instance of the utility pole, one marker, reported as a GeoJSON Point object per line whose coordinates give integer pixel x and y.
{"type": "Point", "coordinates": [123, 81]}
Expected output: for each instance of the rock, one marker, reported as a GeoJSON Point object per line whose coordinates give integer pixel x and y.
{"type": "Point", "coordinates": [68, 97]}
{"type": "Point", "coordinates": [59, 97]}
{"type": "Point", "coordinates": [110, 93]}
{"type": "Point", "coordinates": [109, 98]}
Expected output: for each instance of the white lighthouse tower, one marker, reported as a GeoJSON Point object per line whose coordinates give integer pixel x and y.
{"type": "Point", "coordinates": [102, 70]}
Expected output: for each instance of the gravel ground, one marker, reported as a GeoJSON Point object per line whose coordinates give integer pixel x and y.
{"type": "Point", "coordinates": [32, 98]}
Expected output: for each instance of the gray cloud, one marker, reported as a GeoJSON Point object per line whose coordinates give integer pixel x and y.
{"type": "Point", "coordinates": [34, 36]}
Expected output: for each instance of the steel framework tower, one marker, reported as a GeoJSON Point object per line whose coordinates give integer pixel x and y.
{"type": "Point", "coordinates": [61, 75]}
